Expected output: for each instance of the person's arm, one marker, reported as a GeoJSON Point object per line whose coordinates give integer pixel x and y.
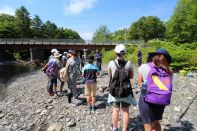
{"type": "Point", "coordinates": [109, 73]}
{"type": "Point", "coordinates": [131, 73]}
{"type": "Point", "coordinates": [139, 82]}
{"type": "Point", "coordinates": [45, 66]}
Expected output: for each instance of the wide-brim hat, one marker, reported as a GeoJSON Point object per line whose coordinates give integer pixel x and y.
{"type": "Point", "coordinates": [161, 51]}
{"type": "Point", "coordinates": [54, 50]}
{"type": "Point", "coordinates": [57, 55]}
{"type": "Point", "coordinates": [90, 58]}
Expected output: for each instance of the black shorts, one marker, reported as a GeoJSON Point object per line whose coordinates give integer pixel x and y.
{"type": "Point", "coordinates": [120, 104]}
{"type": "Point", "coordinates": [150, 112]}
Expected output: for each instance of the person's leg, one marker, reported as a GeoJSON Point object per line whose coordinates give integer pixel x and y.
{"type": "Point", "coordinates": [156, 126]}
{"type": "Point", "coordinates": [55, 85]}
{"type": "Point", "coordinates": [125, 110]}
{"type": "Point", "coordinates": [115, 114]}
{"type": "Point", "coordinates": [50, 86]}
{"type": "Point", "coordinates": [74, 88]}
{"type": "Point", "coordinates": [147, 127]}
{"type": "Point", "coordinates": [93, 95]}
{"type": "Point", "coordinates": [70, 94]}
{"type": "Point", "coordinates": [87, 93]}
{"type": "Point", "coordinates": [61, 85]}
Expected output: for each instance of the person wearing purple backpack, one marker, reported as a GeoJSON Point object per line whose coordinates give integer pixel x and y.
{"type": "Point", "coordinates": [155, 75]}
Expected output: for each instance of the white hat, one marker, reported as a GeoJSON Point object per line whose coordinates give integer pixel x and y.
{"type": "Point", "coordinates": [120, 48]}
{"type": "Point", "coordinates": [65, 52]}
{"type": "Point", "coordinates": [53, 50]}
{"type": "Point", "coordinates": [57, 54]}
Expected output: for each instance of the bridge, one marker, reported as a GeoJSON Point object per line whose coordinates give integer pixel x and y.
{"type": "Point", "coordinates": [38, 46]}
{"type": "Point", "coordinates": [21, 44]}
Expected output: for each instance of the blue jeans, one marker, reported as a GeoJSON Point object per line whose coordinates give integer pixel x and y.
{"type": "Point", "coordinates": [52, 82]}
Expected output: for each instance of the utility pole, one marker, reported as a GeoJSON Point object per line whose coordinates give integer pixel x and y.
{"type": "Point", "coordinates": [125, 36]}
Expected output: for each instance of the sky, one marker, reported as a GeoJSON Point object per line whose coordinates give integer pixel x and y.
{"type": "Point", "coordinates": [85, 16]}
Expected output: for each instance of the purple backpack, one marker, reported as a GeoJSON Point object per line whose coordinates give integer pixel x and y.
{"type": "Point", "coordinates": [52, 69]}
{"type": "Point", "coordinates": [159, 86]}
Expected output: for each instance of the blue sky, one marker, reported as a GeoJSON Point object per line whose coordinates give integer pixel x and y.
{"type": "Point", "coordinates": [85, 16]}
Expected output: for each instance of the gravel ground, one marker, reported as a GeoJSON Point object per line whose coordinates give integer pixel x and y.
{"type": "Point", "coordinates": [28, 107]}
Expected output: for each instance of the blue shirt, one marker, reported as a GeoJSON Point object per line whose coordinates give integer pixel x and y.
{"type": "Point", "coordinates": [89, 71]}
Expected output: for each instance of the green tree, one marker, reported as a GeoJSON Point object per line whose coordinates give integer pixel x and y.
{"type": "Point", "coordinates": [120, 36]}
{"type": "Point", "coordinates": [102, 34]}
{"type": "Point", "coordinates": [147, 28]}
{"type": "Point", "coordinates": [23, 22]}
{"type": "Point", "coordinates": [36, 26]}
{"type": "Point", "coordinates": [7, 26]}
{"type": "Point", "coordinates": [182, 26]}
{"type": "Point", "coordinates": [49, 29]}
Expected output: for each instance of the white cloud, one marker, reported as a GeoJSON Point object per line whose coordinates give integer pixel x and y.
{"type": "Point", "coordinates": [86, 35]}
{"type": "Point", "coordinates": [75, 7]}
{"type": "Point", "coordinates": [7, 10]}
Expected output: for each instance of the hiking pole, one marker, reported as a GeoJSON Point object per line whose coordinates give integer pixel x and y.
{"type": "Point", "coordinates": [185, 111]}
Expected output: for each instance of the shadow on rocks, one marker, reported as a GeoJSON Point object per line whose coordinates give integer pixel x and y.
{"type": "Point", "coordinates": [136, 124]}
{"type": "Point", "coordinates": [102, 101]}
{"type": "Point", "coordinates": [185, 126]}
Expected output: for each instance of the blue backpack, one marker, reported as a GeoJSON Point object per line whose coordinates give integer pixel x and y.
{"type": "Point", "coordinates": [52, 69]}
{"type": "Point", "coordinates": [159, 86]}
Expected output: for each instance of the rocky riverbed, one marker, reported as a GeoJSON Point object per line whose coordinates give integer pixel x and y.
{"type": "Point", "coordinates": [28, 107]}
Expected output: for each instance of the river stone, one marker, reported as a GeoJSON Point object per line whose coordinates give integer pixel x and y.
{"type": "Point", "coordinates": [44, 112]}
{"type": "Point", "coordinates": [177, 109]}
{"type": "Point", "coordinates": [1, 115]}
{"type": "Point", "coordinates": [55, 127]}
{"type": "Point", "coordinates": [38, 111]}
{"type": "Point", "coordinates": [71, 123]}
{"type": "Point", "coordinates": [68, 119]}
{"type": "Point", "coordinates": [50, 101]}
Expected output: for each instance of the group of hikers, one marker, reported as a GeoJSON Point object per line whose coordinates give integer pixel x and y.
{"type": "Point", "coordinates": [154, 83]}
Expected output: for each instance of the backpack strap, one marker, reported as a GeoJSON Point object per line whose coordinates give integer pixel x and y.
{"type": "Point", "coordinates": [117, 66]}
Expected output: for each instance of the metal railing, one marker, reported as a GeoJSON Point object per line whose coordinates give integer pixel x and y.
{"type": "Point", "coordinates": [46, 41]}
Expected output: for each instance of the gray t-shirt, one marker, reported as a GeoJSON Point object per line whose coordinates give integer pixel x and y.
{"type": "Point", "coordinates": [73, 69]}
{"type": "Point", "coordinates": [144, 70]}
{"type": "Point", "coordinates": [112, 66]}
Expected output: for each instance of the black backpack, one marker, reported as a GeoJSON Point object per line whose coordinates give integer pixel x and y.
{"type": "Point", "coordinates": [119, 85]}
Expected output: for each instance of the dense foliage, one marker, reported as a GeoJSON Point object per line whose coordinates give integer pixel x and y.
{"type": "Point", "coordinates": [22, 26]}
{"type": "Point", "coordinates": [182, 26]}
{"type": "Point", "coordinates": [147, 28]}
{"type": "Point", "coordinates": [102, 34]}
{"type": "Point", "coordinates": [184, 56]}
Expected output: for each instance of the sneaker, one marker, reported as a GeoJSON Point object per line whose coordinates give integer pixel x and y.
{"type": "Point", "coordinates": [55, 96]}
{"type": "Point", "coordinates": [71, 105]}
{"type": "Point", "coordinates": [112, 129]}
{"type": "Point", "coordinates": [89, 108]}
{"type": "Point", "coordinates": [93, 109]}
{"type": "Point", "coordinates": [60, 94]}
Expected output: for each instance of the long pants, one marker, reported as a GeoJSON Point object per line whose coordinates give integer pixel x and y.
{"type": "Point", "coordinates": [98, 64]}
{"type": "Point", "coordinates": [61, 84]}
{"type": "Point", "coordinates": [139, 62]}
{"type": "Point", "coordinates": [52, 81]}
{"type": "Point", "coordinates": [72, 87]}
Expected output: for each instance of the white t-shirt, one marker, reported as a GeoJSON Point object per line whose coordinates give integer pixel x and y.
{"type": "Point", "coordinates": [144, 70]}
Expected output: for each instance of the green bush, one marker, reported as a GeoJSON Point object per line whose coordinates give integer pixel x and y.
{"type": "Point", "coordinates": [17, 56]}
{"type": "Point", "coordinates": [184, 56]}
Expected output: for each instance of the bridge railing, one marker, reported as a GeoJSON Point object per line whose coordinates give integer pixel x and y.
{"type": "Point", "coordinates": [46, 41]}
